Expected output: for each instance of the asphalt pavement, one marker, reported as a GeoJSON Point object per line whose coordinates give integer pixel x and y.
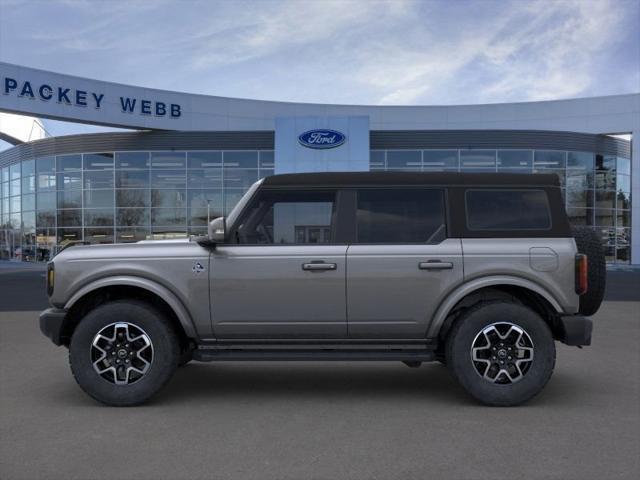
{"type": "Point", "coordinates": [319, 420]}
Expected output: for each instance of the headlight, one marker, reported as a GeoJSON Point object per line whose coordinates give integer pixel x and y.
{"type": "Point", "coordinates": [51, 276]}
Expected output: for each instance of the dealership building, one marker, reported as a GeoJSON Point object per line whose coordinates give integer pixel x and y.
{"type": "Point", "coordinates": [187, 158]}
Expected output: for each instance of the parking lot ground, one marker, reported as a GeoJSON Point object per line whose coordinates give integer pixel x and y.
{"type": "Point", "coordinates": [322, 420]}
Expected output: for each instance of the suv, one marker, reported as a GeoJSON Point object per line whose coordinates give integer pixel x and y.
{"type": "Point", "coordinates": [481, 272]}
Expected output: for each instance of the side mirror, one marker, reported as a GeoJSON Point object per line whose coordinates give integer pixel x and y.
{"type": "Point", "coordinates": [217, 230]}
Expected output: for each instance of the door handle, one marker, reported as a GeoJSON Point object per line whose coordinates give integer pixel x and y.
{"type": "Point", "coordinates": [435, 265]}
{"type": "Point", "coordinates": [319, 266]}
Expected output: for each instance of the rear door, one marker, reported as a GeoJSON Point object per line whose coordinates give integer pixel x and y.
{"type": "Point", "coordinates": [402, 263]}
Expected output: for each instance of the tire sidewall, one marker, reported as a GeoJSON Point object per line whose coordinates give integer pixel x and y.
{"type": "Point", "coordinates": [461, 365]}
{"type": "Point", "coordinates": [166, 353]}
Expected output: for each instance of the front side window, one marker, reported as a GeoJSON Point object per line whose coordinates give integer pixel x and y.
{"type": "Point", "coordinates": [501, 210]}
{"type": "Point", "coordinates": [400, 216]}
{"type": "Point", "coordinates": [288, 217]}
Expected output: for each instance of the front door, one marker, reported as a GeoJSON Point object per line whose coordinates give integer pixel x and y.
{"type": "Point", "coordinates": [283, 274]}
{"type": "Point", "coordinates": [402, 263]}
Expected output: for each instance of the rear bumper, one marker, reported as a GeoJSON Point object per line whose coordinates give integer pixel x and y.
{"type": "Point", "coordinates": [51, 323]}
{"type": "Point", "coordinates": [575, 330]}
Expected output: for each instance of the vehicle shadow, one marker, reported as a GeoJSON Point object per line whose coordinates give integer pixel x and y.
{"type": "Point", "coordinates": [430, 383]}
{"type": "Point", "coordinates": [307, 380]}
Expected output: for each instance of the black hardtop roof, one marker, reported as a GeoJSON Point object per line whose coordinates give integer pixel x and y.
{"type": "Point", "coordinates": [335, 179]}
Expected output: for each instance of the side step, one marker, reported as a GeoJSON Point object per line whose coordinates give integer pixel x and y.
{"type": "Point", "coordinates": [231, 354]}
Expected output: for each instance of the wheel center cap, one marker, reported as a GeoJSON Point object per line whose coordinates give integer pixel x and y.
{"type": "Point", "coordinates": [502, 353]}
{"type": "Point", "coordinates": [122, 353]}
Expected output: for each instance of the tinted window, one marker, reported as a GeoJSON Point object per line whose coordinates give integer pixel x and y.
{"type": "Point", "coordinates": [507, 210]}
{"type": "Point", "coordinates": [401, 216]}
{"type": "Point", "coordinates": [288, 218]}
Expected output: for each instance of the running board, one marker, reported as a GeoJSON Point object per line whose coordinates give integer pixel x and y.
{"type": "Point", "coordinates": [232, 354]}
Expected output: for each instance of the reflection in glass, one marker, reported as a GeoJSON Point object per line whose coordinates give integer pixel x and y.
{"type": "Point", "coordinates": [133, 198]}
{"type": "Point", "coordinates": [97, 161]}
{"type": "Point", "coordinates": [583, 160]}
{"type": "Point", "coordinates": [240, 178]}
{"type": "Point", "coordinates": [169, 217]}
{"type": "Point", "coordinates": [28, 168]}
{"type": "Point", "coordinates": [69, 162]}
{"type": "Point", "coordinates": [376, 160]}
{"type": "Point", "coordinates": [404, 159]}
{"type": "Point", "coordinates": [204, 160]}
{"type": "Point", "coordinates": [240, 159]}
{"type": "Point", "coordinates": [267, 159]}
{"type": "Point", "coordinates": [98, 179]}
{"type": "Point", "coordinates": [132, 178]}
{"type": "Point", "coordinates": [549, 159]}
{"type": "Point", "coordinates": [45, 165]}
{"type": "Point", "coordinates": [28, 184]}
{"type": "Point", "coordinates": [128, 235]}
{"type": "Point", "coordinates": [98, 235]}
{"type": "Point", "coordinates": [70, 199]}
{"type": "Point", "coordinates": [132, 216]}
{"type": "Point", "coordinates": [69, 180]}
{"type": "Point", "coordinates": [168, 179]}
{"type": "Point", "coordinates": [508, 159]}
{"type": "Point", "coordinates": [98, 217]}
{"type": "Point", "coordinates": [29, 202]}
{"type": "Point", "coordinates": [477, 159]}
{"type": "Point", "coordinates": [168, 198]}
{"type": "Point", "coordinates": [70, 218]}
{"type": "Point", "coordinates": [66, 235]}
{"type": "Point", "coordinates": [440, 159]}
{"type": "Point", "coordinates": [98, 199]}
{"type": "Point", "coordinates": [168, 160]}
{"type": "Point", "coordinates": [201, 178]}
{"type": "Point", "coordinates": [132, 160]}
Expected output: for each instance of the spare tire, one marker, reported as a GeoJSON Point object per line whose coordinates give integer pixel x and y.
{"type": "Point", "coordinates": [589, 243]}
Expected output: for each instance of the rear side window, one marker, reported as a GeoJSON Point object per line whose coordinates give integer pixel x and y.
{"type": "Point", "coordinates": [502, 210]}
{"type": "Point", "coordinates": [401, 216]}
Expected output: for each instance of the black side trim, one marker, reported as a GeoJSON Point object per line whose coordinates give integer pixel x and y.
{"type": "Point", "coordinates": [299, 355]}
{"type": "Point", "coordinates": [51, 324]}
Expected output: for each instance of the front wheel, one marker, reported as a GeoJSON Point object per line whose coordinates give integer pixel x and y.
{"type": "Point", "coordinates": [502, 353]}
{"type": "Point", "coordinates": [123, 352]}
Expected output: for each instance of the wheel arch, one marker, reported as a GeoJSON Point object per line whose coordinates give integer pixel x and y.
{"type": "Point", "coordinates": [522, 289]}
{"type": "Point", "coordinates": [123, 287]}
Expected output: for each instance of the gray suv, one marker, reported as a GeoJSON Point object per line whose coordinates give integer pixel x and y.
{"type": "Point", "coordinates": [481, 272]}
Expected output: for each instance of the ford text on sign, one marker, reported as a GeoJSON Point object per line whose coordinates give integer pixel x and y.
{"type": "Point", "coordinates": [322, 138]}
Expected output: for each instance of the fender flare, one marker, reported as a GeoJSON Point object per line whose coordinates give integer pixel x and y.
{"type": "Point", "coordinates": [125, 280]}
{"type": "Point", "coordinates": [467, 288]}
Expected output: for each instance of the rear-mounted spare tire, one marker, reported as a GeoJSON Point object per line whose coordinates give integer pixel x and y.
{"type": "Point", "coordinates": [589, 243]}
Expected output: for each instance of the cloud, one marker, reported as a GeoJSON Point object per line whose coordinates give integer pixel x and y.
{"type": "Point", "coordinates": [338, 51]}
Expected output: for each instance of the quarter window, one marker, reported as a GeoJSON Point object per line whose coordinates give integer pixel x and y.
{"type": "Point", "coordinates": [289, 217]}
{"type": "Point", "coordinates": [501, 210]}
{"type": "Point", "coordinates": [401, 216]}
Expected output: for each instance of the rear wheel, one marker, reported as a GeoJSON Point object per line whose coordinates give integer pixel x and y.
{"type": "Point", "coordinates": [123, 352]}
{"type": "Point", "coordinates": [502, 353]}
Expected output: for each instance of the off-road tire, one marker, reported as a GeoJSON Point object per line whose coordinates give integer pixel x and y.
{"type": "Point", "coordinates": [590, 244]}
{"type": "Point", "coordinates": [459, 357]}
{"type": "Point", "coordinates": [166, 352]}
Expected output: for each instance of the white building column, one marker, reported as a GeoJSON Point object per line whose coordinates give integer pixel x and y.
{"type": "Point", "coordinates": [635, 197]}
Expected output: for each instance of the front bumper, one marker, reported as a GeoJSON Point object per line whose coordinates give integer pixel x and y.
{"type": "Point", "coordinates": [575, 330]}
{"type": "Point", "coordinates": [52, 323]}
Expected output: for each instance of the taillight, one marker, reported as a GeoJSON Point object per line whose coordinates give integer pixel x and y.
{"type": "Point", "coordinates": [581, 274]}
{"type": "Point", "coordinates": [51, 276]}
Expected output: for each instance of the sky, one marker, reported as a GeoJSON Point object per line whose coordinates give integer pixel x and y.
{"type": "Point", "coordinates": [395, 52]}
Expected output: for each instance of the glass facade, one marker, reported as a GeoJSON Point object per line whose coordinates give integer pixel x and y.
{"type": "Point", "coordinates": [108, 197]}
{"type": "Point", "coordinates": [596, 188]}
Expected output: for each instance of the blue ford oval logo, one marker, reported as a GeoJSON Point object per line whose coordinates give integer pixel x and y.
{"type": "Point", "coordinates": [322, 138]}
